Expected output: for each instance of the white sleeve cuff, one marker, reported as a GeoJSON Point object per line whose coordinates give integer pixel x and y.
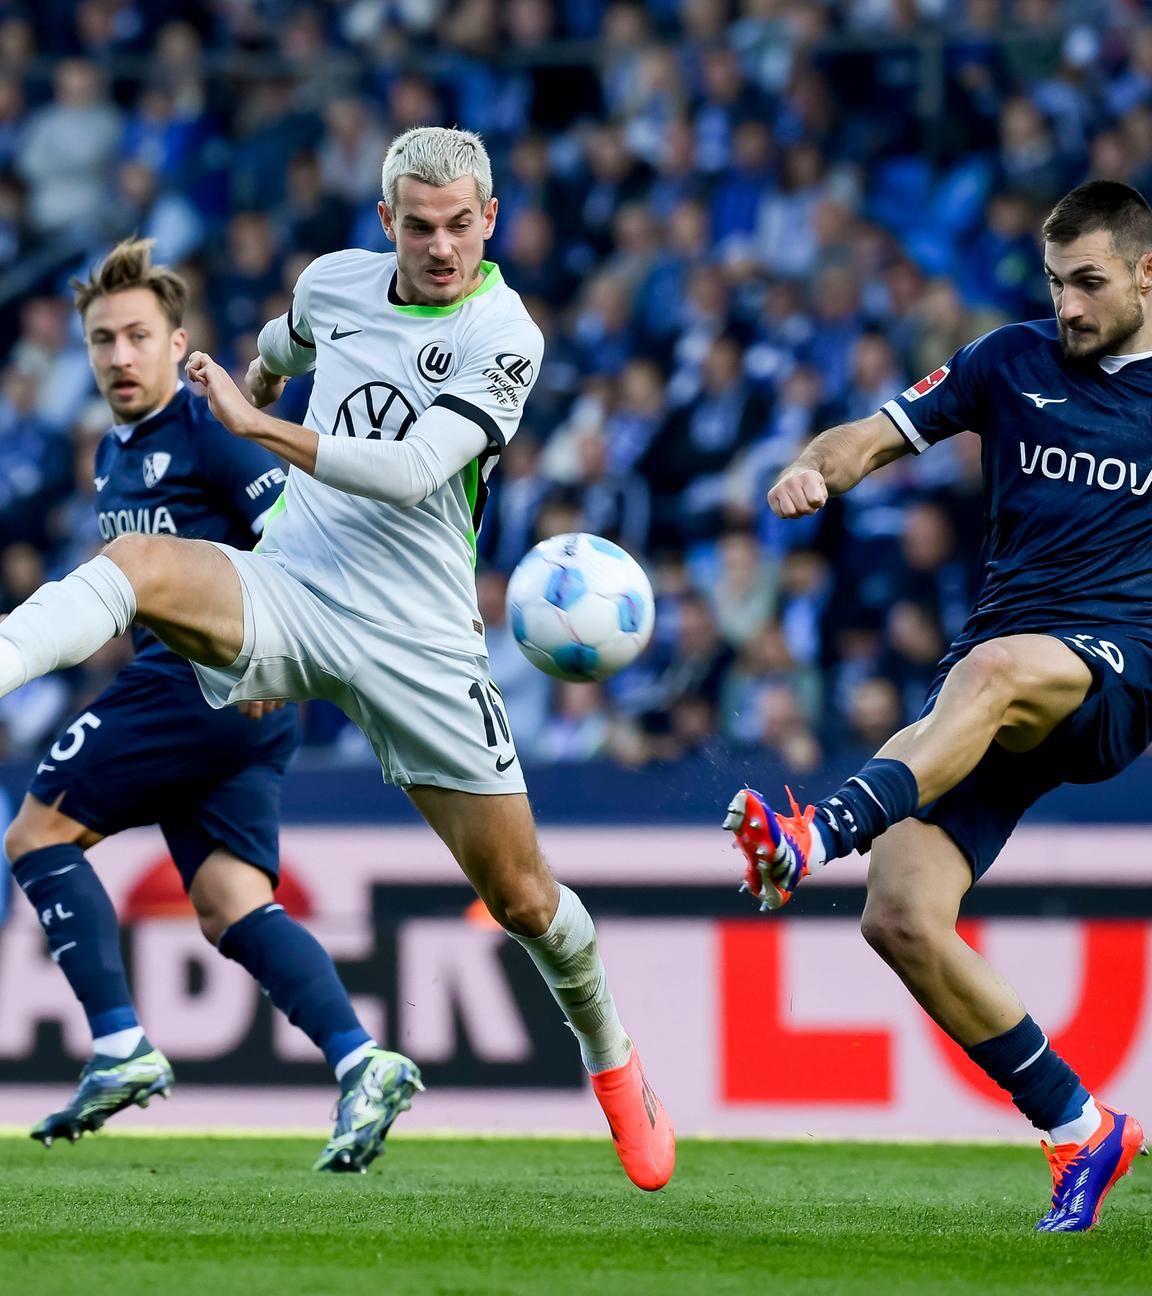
{"type": "Point", "coordinates": [905, 425]}
{"type": "Point", "coordinates": [283, 350]}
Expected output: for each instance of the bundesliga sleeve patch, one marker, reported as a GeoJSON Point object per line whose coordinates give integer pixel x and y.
{"type": "Point", "coordinates": [925, 385]}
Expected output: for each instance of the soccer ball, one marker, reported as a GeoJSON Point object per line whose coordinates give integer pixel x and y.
{"type": "Point", "coordinates": [580, 607]}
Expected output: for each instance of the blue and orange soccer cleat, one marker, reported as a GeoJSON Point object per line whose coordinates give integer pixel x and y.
{"type": "Point", "coordinates": [1083, 1173]}
{"type": "Point", "coordinates": [776, 846]}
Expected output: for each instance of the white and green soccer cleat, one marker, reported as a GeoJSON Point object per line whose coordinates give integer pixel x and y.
{"type": "Point", "coordinates": [374, 1093]}
{"type": "Point", "coordinates": [107, 1086]}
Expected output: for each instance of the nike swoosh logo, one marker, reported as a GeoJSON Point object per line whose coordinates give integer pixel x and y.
{"type": "Point", "coordinates": [1041, 401]}
{"type": "Point", "coordinates": [337, 335]}
{"type": "Point", "coordinates": [100, 482]}
{"type": "Point", "coordinates": [502, 765]}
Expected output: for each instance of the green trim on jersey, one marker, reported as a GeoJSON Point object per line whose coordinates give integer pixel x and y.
{"type": "Point", "coordinates": [492, 277]}
{"type": "Point", "coordinates": [471, 473]}
{"type": "Point", "coordinates": [276, 509]}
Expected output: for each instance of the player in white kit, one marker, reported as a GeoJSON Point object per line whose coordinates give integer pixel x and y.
{"type": "Point", "coordinates": [362, 590]}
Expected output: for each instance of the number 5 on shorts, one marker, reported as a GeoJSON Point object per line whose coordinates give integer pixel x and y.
{"type": "Point", "coordinates": [61, 750]}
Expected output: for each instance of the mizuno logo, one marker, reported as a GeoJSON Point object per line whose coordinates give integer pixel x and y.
{"type": "Point", "coordinates": [1041, 401]}
{"type": "Point", "coordinates": [502, 765]}
{"type": "Point", "coordinates": [101, 482]}
{"type": "Point", "coordinates": [337, 334]}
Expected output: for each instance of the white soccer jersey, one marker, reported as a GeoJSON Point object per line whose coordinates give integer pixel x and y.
{"type": "Point", "coordinates": [380, 365]}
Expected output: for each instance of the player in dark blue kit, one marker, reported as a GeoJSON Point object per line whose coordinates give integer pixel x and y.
{"type": "Point", "coordinates": [150, 749]}
{"type": "Point", "coordinates": [1050, 680]}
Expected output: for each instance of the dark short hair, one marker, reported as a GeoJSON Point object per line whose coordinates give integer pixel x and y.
{"type": "Point", "coordinates": [129, 265]}
{"type": "Point", "coordinates": [1103, 205]}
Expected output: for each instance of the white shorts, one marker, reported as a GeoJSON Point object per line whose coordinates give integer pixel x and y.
{"type": "Point", "coordinates": [433, 716]}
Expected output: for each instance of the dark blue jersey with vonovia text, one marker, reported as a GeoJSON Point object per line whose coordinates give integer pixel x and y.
{"type": "Point", "coordinates": [179, 472]}
{"type": "Point", "coordinates": [1067, 459]}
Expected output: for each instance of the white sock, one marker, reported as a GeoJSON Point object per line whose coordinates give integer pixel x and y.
{"type": "Point", "coordinates": [818, 855]}
{"type": "Point", "coordinates": [1079, 1130]}
{"type": "Point", "coordinates": [120, 1044]}
{"type": "Point", "coordinates": [568, 959]}
{"type": "Point", "coordinates": [65, 622]}
{"type": "Point", "coordinates": [349, 1060]}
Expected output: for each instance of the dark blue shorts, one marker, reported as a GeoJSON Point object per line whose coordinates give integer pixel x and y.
{"type": "Point", "coordinates": [1109, 729]}
{"type": "Point", "coordinates": [150, 750]}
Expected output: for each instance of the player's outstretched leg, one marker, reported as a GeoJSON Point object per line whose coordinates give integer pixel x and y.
{"type": "Point", "coordinates": [494, 841]}
{"type": "Point", "coordinates": [186, 591]}
{"type": "Point", "coordinates": [1020, 688]}
{"type": "Point", "coordinates": [84, 938]}
{"type": "Point", "coordinates": [65, 622]}
{"type": "Point", "coordinates": [297, 973]}
{"type": "Point", "coordinates": [568, 958]}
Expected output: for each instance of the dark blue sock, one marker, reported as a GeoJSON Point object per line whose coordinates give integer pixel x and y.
{"type": "Point", "coordinates": [881, 794]}
{"type": "Point", "coordinates": [83, 932]}
{"type": "Point", "coordinates": [1043, 1086]}
{"type": "Point", "coordinates": [297, 973]}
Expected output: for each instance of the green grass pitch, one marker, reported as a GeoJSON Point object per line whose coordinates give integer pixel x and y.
{"type": "Point", "coordinates": [246, 1217]}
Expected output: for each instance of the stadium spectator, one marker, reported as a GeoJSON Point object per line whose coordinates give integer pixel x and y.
{"type": "Point", "coordinates": [67, 154]}
{"type": "Point", "coordinates": [687, 466]}
{"type": "Point", "coordinates": [55, 362]}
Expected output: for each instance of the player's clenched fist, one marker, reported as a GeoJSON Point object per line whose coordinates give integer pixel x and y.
{"type": "Point", "coordinates": [798, 494]}
{"type": "Point", "coordinates": [225, 399]}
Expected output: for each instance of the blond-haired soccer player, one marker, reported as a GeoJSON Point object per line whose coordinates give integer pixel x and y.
{"type": "Point", "coordinates": [362, 590]}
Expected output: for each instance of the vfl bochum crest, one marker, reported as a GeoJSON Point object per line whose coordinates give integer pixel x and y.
{"type": "Point", "coordinates": [155, 466]}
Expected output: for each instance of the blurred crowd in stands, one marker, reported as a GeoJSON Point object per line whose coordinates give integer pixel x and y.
{"type": "Point", "coordinates": [736, 223]}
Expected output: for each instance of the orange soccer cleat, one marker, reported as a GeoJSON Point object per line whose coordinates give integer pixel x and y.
{"type": "Point", "coordinates": [644, 1138]}
{"type": "Point", "coordinates": [775, 846]}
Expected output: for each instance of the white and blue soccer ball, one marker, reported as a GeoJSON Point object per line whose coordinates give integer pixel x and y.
{"type": "Point", "coordinates": [580, 607]}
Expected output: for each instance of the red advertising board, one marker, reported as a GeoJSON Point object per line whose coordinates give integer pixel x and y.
{"type": "Point", "coordinates": [749, 1025]}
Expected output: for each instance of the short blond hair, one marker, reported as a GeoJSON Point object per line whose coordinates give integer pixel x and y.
{"type": "Point", "coordinates": [437, 155]}
{"type": "Point", "coordinates": [129, 265]}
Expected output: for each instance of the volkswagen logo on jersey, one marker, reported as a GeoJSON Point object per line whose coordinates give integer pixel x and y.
{"type": "Point", "coordinates": [155, 466]}
{"type": "Point", "coordinates": [434, 362]}
{"type": "Point", "coordinates": [377, 411]}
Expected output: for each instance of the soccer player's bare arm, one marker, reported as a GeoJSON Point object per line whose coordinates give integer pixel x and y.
{"type": "Point", "coordinates": [834, 462]}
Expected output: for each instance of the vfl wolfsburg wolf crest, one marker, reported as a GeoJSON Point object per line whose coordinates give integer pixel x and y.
{"type": "Point", "coordinates": [377, 412]}
{"type": "Point", "coordinates": [434, 362]}
{"type": "Point", "coordinates": [155, 466]}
